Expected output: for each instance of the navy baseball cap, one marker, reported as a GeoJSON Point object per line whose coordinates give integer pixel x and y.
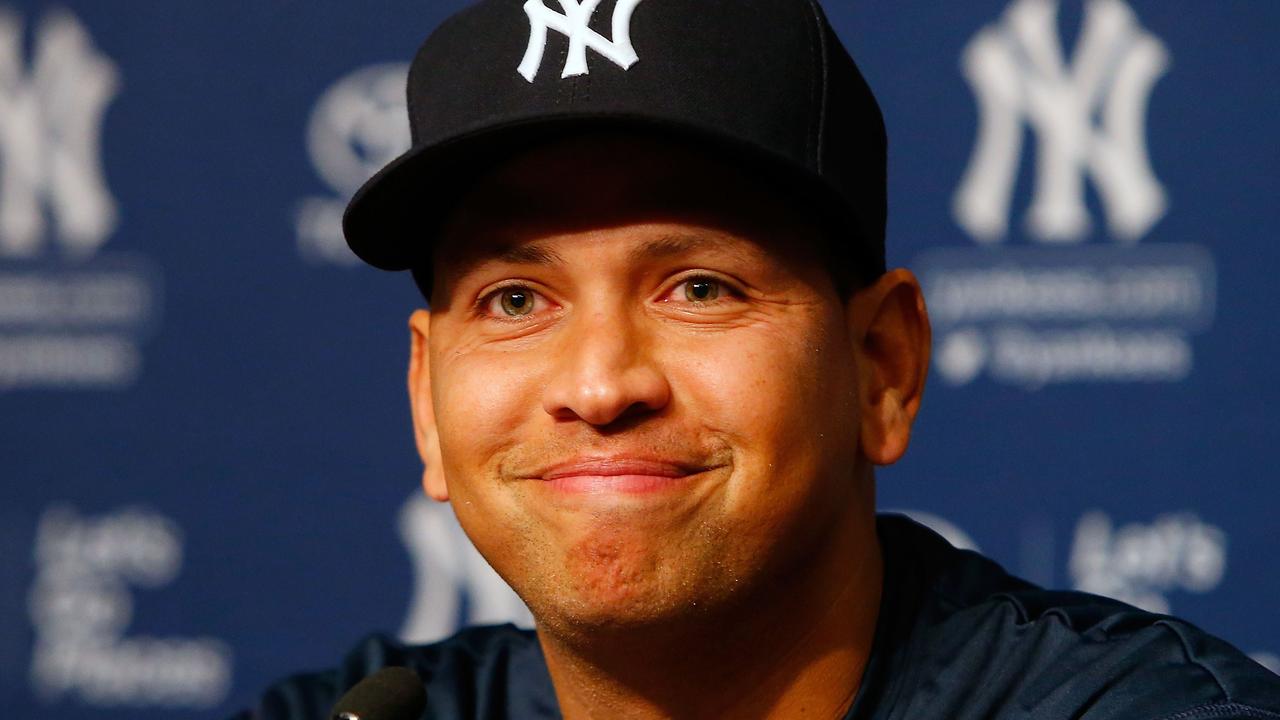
{"type": "Point", "coordinates": [765, 82]}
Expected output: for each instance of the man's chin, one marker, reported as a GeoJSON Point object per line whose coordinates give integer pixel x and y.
{"type": "Point", "coordinates": [610, 589]}
{"type": "Point", "coordinates": [586, 616]}
{"type": "Point", "coordinates": [610, 572]}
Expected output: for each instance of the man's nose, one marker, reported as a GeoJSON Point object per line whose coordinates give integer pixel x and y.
{"type": "Point", "coordinates": [607, 370]}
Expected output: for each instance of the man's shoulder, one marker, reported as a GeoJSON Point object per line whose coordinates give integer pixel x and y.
{"type": "Point", "coordinates": [985, 639]}
{"type": "Point", "coordinates": [494, 671]}
{"type": "Point", "coordinates": [1069, 654]}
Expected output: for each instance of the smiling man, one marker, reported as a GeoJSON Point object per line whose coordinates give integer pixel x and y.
{"type": "Point", "coordinates": [662, 357]}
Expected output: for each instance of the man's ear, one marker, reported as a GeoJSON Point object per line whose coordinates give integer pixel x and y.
{"type": "Point", "coordinates": [889, 326]}
{"type": "Point", "coordinates": [424, 415]}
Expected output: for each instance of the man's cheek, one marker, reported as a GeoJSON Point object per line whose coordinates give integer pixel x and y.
{"type": "Point", "coordinates": [482, 407]}
{"type": "Point", "coordinates": [748, 385]}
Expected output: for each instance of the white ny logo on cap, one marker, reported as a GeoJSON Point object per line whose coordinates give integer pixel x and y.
{"type": "Point", "coordinates": [574, 24]}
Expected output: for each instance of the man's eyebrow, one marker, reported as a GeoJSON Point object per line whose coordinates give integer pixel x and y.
{"type": "Point", "coordinates": [531, 254]}
{"type": "Point", "coordinates": [467, 258]}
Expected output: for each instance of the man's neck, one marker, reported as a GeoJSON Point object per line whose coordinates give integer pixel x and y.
{"type": "Point", "coordinates": [798, 649]}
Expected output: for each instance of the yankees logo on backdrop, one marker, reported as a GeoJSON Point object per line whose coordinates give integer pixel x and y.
{"type": "Point", "coordinates": [1018, 72]}
{"type": "Point", "coordinates": [575, 24]}
{"type": "Point", "coordinates": [72, 316]}
{"type": "Point", "coordinates": [50, 127]}
{"type": "Point", "coordinates": [1065, 310]}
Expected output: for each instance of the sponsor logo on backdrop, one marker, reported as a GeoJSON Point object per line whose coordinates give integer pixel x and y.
{"type": "Point", "coordinates": [575, 24]}
{"type": "Point", "coordinates": [1146, 563]}
{"type": "Point", "coordinates": [1059, 308]}
{"type": "Point", "coordinates": [453, 585]}
{"type": "Point", "coordinates": [82, 602]}
{"type": "Point", "coordinates": [1142, 563]}
{"type": "Point", "coordinates": [71, 316]}
{"type": "Point", "coordinates": [358, 125]}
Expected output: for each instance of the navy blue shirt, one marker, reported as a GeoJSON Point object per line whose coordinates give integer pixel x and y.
{"type": "Point", "coordinates": [957, 637]}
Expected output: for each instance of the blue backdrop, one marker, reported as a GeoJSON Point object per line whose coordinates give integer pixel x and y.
{"type": "Point", "coordinates": [209, 479]}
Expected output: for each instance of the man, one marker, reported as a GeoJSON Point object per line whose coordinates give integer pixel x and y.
{"type": "Point", "coordinates": [662, 358]}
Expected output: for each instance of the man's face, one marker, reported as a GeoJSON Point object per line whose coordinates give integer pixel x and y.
{"type": "Point", "coordinates": [643, 383]}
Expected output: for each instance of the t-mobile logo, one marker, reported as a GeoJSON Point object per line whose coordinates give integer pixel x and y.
{"type": "Point", "coordinates": [50, 127]}
{"type": "Point", "coordinates": [574, 23]}
{"type": "Point", "coordinates": [1089, 118]}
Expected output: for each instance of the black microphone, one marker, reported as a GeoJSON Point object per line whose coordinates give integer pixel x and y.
{"type": "Point", "coordinates": [392, 693]}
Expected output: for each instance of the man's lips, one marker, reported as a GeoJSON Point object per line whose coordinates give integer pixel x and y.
{"type": "Point", "coordinates": [614, 466]}
{"type": "Point", "coordinates": [618, 474]}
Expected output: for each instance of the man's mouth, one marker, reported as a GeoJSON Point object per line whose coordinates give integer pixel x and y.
{"type": "Point", "coordinates": [618, 474]}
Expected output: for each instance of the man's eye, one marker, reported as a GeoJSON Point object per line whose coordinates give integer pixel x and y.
{"type": "Point", "coordinates": [512, 301]}
{"type": "Point", "coordinates": [701, 290]}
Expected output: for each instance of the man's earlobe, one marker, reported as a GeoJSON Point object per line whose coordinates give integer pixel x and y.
{"type": "Point", "coordinates": [424, 417]}
{"type": "Point", "coordinates": [890, 328]}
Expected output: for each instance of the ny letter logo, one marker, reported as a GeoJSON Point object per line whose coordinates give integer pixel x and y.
{"type": "Point", "coordinates": [50, 127]}
{"type": "Point", "coordinates": [574, 24]}
{"type": "Point", "coordinates": [1089, 119]}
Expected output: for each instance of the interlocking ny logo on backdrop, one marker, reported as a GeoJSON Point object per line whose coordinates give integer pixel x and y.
{"type": "Point", "coordinates": [71, 316]}
{"type": "Point", "coordinates": [50, 130]}
{"type": "Point", "coordinates": [1089, 119]}
{"type": "Point", "coordinates": [1059, 310]}
{"type": "Point", "coordinates": [575, 24]}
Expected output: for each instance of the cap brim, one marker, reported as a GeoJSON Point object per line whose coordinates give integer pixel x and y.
{"type": "Point", "coordinates": [392, 221]}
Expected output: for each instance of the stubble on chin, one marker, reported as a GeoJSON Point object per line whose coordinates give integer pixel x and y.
{"type": "Point", "coordinates": [618, 580]}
